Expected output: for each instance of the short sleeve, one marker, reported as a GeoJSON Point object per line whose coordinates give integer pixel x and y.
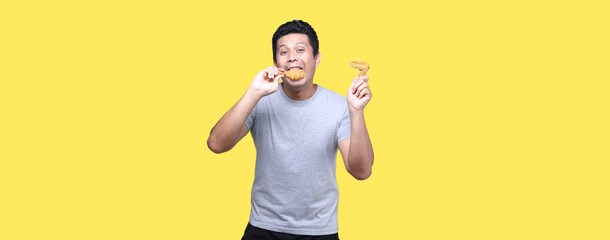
{"type": "Point", "coordinates": [345, 127]}
{"type": "Point", "coordinates": [250, 119]}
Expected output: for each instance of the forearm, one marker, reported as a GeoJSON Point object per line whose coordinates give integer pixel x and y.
{"type": "Point", "coordinates": [360, 157]}
{"type": "Point", "coordinates": [227, 132]}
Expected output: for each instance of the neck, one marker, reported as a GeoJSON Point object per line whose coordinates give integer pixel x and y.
{"type": "Point", "coordinates": [299, 94]}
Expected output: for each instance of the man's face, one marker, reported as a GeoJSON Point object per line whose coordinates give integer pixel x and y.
{"type": "Point", "coordinates": [294, 50]}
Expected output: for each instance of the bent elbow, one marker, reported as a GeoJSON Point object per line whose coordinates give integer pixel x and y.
{"type": "Point", "coordinates": [362, 175]}
{"type": "Point", "coordinates": [215, 147]}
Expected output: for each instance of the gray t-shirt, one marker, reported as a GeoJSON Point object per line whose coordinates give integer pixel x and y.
{"type": "Point", "coordinates": [295, 186]}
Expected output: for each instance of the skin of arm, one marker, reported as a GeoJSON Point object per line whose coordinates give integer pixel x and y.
{"type": "Point", "coordinates": [357, 151]}
{"type": "Point", "coordinates": [231, 128]}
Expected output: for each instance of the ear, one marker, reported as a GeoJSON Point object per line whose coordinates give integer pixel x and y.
{"type": "Point", "coordinates": [318, 57]}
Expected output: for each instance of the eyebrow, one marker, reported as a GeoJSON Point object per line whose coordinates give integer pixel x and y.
{"type": "Point", "coordinates": [285, 45]}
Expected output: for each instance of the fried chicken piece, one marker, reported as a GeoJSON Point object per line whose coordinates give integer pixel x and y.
{"type": "Point", "coordinates": [294, 74]}
{"type": "Point", "coordinates": [362, 66]}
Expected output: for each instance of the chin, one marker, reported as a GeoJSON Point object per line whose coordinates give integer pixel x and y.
{"type": "Point", "coordinates": [297, 84]}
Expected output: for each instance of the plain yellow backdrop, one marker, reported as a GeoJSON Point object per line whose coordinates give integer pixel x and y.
{"type": "Point", "coordinates": [489, 119]}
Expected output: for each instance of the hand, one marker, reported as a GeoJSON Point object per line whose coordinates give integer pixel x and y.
{"type": "Point", "coordinates": [359, 94]}
{"type": "Point", "coordinates": [265, 82]}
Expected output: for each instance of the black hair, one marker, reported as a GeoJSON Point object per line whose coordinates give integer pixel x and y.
{"type": "Point", "coordinates": [296, 26]}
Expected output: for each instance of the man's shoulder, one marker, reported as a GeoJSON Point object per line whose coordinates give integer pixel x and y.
{"type": "Point", "coordinates": [331, 94]}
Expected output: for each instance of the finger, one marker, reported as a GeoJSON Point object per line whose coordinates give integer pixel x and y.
{"type": "Point", "coordinates": [357, 85]}
{"type": "Point", "coordinates": [364, 93]}
{"type": "Point", "coordinates": [277, 78]}
{"type": "Point", "coordinates": [353, 87]}
{"type": "Point", "coordinates": [262, 74]}
{"type": "Point", "coordinates": [362, 87]}
{"type": "Point", "coordinates": [276, 71]}
{"type": "Point", "coordinates": [365, 78]}
{"type": "Point", "coordinates": [362, 78]}
{"type": "Point", "coordinates": [270, 72]}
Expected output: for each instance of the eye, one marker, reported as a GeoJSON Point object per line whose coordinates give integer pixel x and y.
{"type": "Point", "coordinates": [301, 50]}
{"type": "Point", "coordinates": [283, 52]}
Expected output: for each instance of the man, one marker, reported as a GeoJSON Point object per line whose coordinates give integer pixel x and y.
{"type": "Point", "coordinates": [297, 127]}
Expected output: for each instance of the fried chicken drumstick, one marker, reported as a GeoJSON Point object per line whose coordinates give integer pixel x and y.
{"type": "Point", "coordinates": [294, 74]}
{"type": "Point", "coordinates": [362, 66]}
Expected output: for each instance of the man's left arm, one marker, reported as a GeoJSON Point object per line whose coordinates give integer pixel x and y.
{"type": "Point", "coordinates": [357, 150]}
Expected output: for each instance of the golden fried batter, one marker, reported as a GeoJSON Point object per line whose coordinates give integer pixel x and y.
{"type": "Point", "coordinates": [362, 66]}
{"type": "Point", "coordinates": [294, 74]}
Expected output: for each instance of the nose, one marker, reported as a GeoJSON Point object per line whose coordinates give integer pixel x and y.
{"type": "Point", "coordinates": [292, 57]}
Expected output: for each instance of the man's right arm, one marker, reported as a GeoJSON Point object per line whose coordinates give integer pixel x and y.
{"type": "Point", "coordinates": [232, 126]}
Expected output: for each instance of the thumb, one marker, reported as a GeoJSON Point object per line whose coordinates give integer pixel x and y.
{"type": "Point", "coordinates": [276, 79]}
{"type": "Point", "coordinates": [351, 87]}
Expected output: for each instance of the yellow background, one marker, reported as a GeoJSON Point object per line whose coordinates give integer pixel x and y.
{"type": "Point", "coordinates": [489, 119]}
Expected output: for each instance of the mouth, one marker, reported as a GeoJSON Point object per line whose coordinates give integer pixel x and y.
{"type": "Point", "coordinates": [294, 73]}
{"type": "Point", "coordinates": [293, 67]}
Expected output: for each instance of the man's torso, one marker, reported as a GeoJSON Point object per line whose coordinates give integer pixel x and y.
{"type": "Point", "coordinates": [295, 189]}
